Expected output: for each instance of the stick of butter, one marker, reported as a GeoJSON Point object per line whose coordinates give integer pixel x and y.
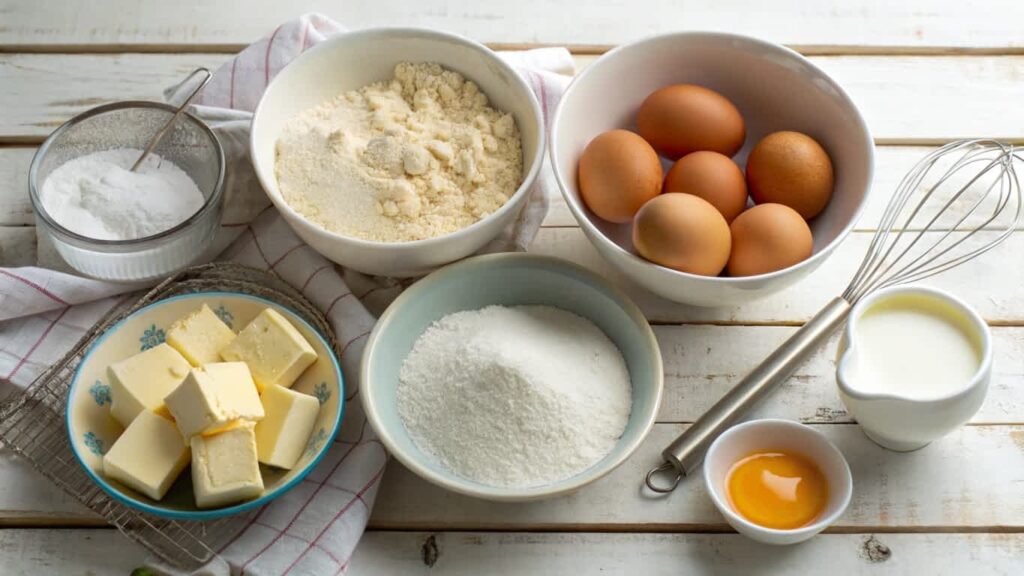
{"type": "Point", "coordinates": [282, 435]}
{"type": "Point", "coordinates": [225, 469]}
{"type": "Point", "coordinates": [212, 396]}
{"type": "Point", "coordinates": [200, 336]}
{"type": "Point", "coordinates": [274, 350]}
{"type": "Point", "coordinates": [140, 382]}
{"type": "Point", "coordinates": [148, 456]}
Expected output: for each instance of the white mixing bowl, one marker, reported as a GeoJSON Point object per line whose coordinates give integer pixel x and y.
{"type": "Point", "coordinates": [356, 59]}
{"type": "Point", "coordinates": [774, 88]}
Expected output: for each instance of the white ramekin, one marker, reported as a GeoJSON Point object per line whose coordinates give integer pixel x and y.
{"type": "Point", "coordinates": [743, 439]}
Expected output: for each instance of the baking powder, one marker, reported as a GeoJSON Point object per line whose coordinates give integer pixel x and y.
{"type": "Point", "coordinates": [97, 195]}
{"type": "Point", "coordinates": [515, 397]}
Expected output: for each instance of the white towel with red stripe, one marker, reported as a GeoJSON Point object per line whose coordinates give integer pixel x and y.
{"type": "Point", "coordinates": [314, 528]}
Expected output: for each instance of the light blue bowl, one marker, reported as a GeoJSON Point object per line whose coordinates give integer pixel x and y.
{"type": "Point", "coordinates": [509, 280]}
{"type": "Point", "coordinates": [92, 430]}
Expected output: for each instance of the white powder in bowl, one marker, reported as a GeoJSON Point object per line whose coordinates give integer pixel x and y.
{"type": "Point", "coordinates": [515, 396]}
{"type": "Point", "coordinates": [415, 157]}
{"type": "Point", "coordinates": [97, 195]}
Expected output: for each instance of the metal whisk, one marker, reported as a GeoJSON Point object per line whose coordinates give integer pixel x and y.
{"type": "Point", "coordinates": [957, 203]}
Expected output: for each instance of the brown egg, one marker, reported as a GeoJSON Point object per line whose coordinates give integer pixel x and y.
{"type": "Point", "coordinates": [683, 232]}
{"type": "Point", "coordinates": [685, 118]}
{"type": "Point", "coordinates": [766, 238]}
{"type": "Point", "coordinates": [618, 173]}
{"type": "Point", "coordinates": [712, 176]}
{"type": "Point", "coordinates": [793, 169]}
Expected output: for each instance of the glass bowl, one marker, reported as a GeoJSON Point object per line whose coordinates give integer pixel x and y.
{"type": "Point", "coordinates": [190, 144]}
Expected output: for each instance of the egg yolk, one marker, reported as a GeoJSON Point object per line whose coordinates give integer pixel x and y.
{"type": "Point", "coordinates": [777, 490]}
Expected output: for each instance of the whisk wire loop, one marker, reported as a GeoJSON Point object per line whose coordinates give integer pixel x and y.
{"type": "Point", "coordinates": [904, 250]}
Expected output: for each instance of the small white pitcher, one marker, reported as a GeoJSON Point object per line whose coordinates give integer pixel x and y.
{"type": "Point", "coordinates": [898, 422]}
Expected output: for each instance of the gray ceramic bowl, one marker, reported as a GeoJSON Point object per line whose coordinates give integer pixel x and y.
{"type": "Point", "coordinates": [507, 279]}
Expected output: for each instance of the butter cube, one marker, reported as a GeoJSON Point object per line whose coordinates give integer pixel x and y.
{"type": "Point", "coordinates": [148, 456]}
{"type": "Point", "coordinates": [225, 468]}
{"type": "Point", "coordinates": [274, 350]}
{"type": "Point", "coordinates": [140, 382]}
{"type": "Point", "coordinates": [212, 396]}
{"type": "Point", "coordinates": [200, 336]}
{"type": "Point", "coordinates": [282, 435]}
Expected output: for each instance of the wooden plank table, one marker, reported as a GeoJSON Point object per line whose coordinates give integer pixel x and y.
{"type": "Point", "coordinates": [923, 73]}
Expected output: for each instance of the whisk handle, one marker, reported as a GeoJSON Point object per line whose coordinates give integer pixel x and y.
{"type": "Point", "coordinates": [687, 451]}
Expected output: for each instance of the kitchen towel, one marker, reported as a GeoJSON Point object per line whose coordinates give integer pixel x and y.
{"type": "Point", "coordinates": [314, 528]}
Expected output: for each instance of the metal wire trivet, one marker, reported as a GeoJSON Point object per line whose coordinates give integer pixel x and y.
{"type": "Point", "coordinates": [32, 420]}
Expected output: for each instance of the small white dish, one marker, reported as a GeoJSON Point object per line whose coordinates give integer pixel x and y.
{"type": "Point", "coordinates": [783, 435]}
{"type": "Point", "coordinates": [899, 422]}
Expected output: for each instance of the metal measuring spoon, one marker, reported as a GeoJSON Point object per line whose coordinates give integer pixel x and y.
{"type": "Point", "coordinates": [177, 114]}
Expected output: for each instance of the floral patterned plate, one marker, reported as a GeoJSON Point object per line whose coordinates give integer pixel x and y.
{"type": "Point", "coordinates": [93, 431]}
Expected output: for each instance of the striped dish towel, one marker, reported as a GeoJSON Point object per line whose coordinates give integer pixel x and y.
{"type": "Point", "coordinates": [314, 528]}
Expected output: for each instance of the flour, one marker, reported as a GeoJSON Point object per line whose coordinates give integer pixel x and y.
{"type": "Point", "coordinates": [97, 195]}
{"type": "Point", "coordinates": [416, 157]}
{"type": "Point", "coordinates": [515, 397]}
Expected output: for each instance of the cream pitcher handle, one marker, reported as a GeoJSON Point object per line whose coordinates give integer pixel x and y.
{"type": "Point", "coordinates": [686, 453]}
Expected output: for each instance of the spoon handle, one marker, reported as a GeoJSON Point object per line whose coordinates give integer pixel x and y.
{"type": "Point", "coordinates": [177, 114]}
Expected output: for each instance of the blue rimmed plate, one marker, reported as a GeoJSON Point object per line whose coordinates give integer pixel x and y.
{"type": "Point", "coordinates": [93, 431]}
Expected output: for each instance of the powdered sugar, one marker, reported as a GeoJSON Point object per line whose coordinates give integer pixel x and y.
{"type": "Point", "coordinates": [98, 197]}
{"type": "Point", "coordinates": [515, 397]}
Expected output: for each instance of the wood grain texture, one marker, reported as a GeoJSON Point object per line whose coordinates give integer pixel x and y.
{"type": "Point", "coordinates": [15, 208]}
{"type": "Point", "coordinates": [703, 362]}
{"type": "Point", "coordinates": [472, 554]}
{"type": "Point", "coordinates": [923, 72]}
{"type": "Point", "coordinates": [18, 246]}
{"type": "Point", "coordinates": [963, 481]}
{"type": "Point", "coordinates": [905, 100]}
{"type": "Point", "coordinates": [30, 552]}
{"type": "Point", "coordinates": [31, 499]}
{"type": "Point", "coordinates": [858, 24]}
{"type": "Point", "coordinates": [40, 92]}
{"type": "Point", "coordinates": [90, 552]}
{"type": "Point", "coordinates": [1001, 301]}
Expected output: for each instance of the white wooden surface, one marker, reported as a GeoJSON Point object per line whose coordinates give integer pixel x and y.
{"type": "Point", "coordinates": [898, 95]}
{"type": "Point", "coordinates": [77, 551]}
{"type": "Point", "coordinates": [923, 72]}
{"type": "Point", "coordinates": [857, 25]}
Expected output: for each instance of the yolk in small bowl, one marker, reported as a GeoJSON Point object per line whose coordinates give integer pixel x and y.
{"type": "Point", "coordinates": [777, 490]}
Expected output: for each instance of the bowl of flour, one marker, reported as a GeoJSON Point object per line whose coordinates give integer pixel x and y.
{"type": "Point", "coordinates": [394, 151]}
{"type": "Point", "coordinates": [511, 377]}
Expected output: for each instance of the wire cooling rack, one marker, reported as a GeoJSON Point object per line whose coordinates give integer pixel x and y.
{"type": "Point", "coordinates": [32, 421]}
